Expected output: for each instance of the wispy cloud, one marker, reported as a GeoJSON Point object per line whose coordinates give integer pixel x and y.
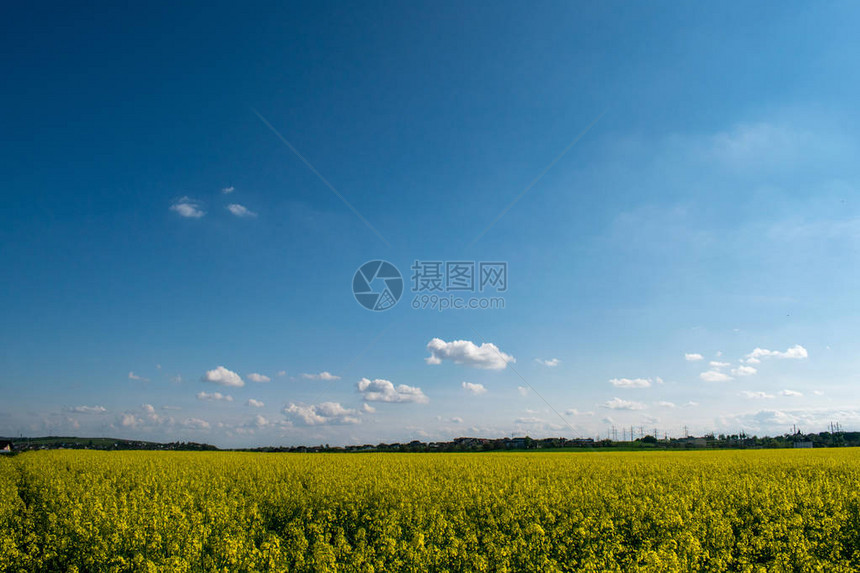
{"type": "Point", "coordinates": [715, 376]}
{"type": "Point", "coordinates": [796, 352]}
{"type": "Point", "coordinates": [791, 393]}
{"type": "Point", "coordinates": [254, 377]}
{"type": "Point", "coordinates": [321, 376]}
{"type": "Point", "coordinates": [551, 362]}
{"type": "Point", "coordinates": [693, 357]}
{"type": "Point", "coordinates": [214, 396]}
{"type": "Point", "coordinates": [631, 382]}
{"type": "Point", "coordinates": [228, 190]}
{"type": "Point", "coordinates": [619, 404]}
{"type": "Point", "coordinates": [188, 208]}
{"type": "Point", "coordinates": [254, 403]}
{"type": "Point", "coordinates": [474, 389]}
{"type": "Point", "coordinates": [467, 353]}
{"type": "Point", "coordinates": [87, 410]}
{"type": "Point", "coordinates": [755, 395]}
{"type": "Point", "coordinates": [241, 211]}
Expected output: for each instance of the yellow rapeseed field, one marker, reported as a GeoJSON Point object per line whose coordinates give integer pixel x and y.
{"type": "Point", "coordinates": [221, 511]}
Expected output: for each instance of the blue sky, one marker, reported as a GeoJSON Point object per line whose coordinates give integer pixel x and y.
{"type": "Point", "coordinates": [710, 210]}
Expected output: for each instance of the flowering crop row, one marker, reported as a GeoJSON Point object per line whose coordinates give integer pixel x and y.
{"type": "Point", "coordinates": [221, 511]}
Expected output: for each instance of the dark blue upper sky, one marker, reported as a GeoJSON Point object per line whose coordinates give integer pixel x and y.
{"type": "Point", "coordinates": [711, 208]}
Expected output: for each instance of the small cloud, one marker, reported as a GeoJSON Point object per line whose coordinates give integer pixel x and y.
{"type": "Point", "coordinates": [718, 353]}
{"type": "Point", "coordinates": [223, 377]}
{"type": "Point", "coordinates": [665, 404]}
{"type": "Point", "coordinates": [217, 396]}
{"type": "Point", "coordinates": [631, 382]}
{"type": "Point", "coordinates": [715, 364]}
{"type": "Point", "coordinates": [321, 414]}
{"type": "Point", "coordinates": [552, 362]}
{"type": "Point", "coordinates": [693, 356]}
{"type": "Point", "coordinates": [187, 208]}
{"type": "Point", "coordinates": [133, 376]}
{"type": "Point", "coordinates": [87, 410]}
{"type": "Point", "coordinates": [474, 389]}
{"type": "Point", "coordinates": [715, 376]}
{"type": "Point", "coordinates": [171, 408]}
{"type": "Point", "coordinates": [456, 420]}
{"type": "Point", "coordinates": [380, 390]}
{"type": "Point", "coordinates": [791, 393]}
{"type": "Point", "coordinates": [796, 352]}
{"type": "Point", "coordinates": [818, 392]}
{"type": "Point", "coordinates": [368, 408]}
{"type": "Point", "coordinates": [228, 190]}
{"type": "Point", "coordinates": [466, 352]}
{"type": "Point", "coordinates": [254, 377]}
{"type": "Point", "coordinates": [176, 379]}
{"type": "Point", "coordinates": [195, 424]}
{"type": "Point", "coordinates": [282, 373]}
{"type": "Point", "coordinates": [691, 404]}
{"type": "Point", "coordinates": [522, 390]}
{"type": "Point", "coordinates": [254, 403]}
{"type": "Point", "coordinates": [241, 211]}
{"type": "Point", "coordinates": [755, 395]}
{"type": "Point", "coordinates": [743, 371]}
{"type": "Point", "coordinates": [320, 376]}
{"type": "Point", "coordinates": [619, 404]}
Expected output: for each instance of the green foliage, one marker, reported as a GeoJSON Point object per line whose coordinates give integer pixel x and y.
{"type": "Point", "coordinates": [228, 511]}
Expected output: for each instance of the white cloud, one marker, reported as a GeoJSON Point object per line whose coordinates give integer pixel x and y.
{"type": "Point", "coordinates": [195, 424]}
{"type": "Point", "coordinates": [241, 211]}
{"type": "Point", "coordinates": [551, 362]}
{"type": "Point", "coordinates": [217, 396]}
{"type": "Point", "coordinates": [171, 408]}
{"type": "Point", "coordinates": [177, 379]}
{"type": "Point", "coordinates": [665, 404]}
{"type": "Point", "coordinates": [254, 377]}
{"type": "Point", "coordinates": [631, 382]}
{"type": "Point", "coordinates": [282, 372]}
{"type": "Point", "coordinates": [87, 410]}
{"type": "Point", "coordinates": [128, 420]}
{"type": "Point", "coordinates": [818, 392]}
{"type": "Point", "coordinates": [715, 376]}
{"type": "Point", "coordinates": [254, 403]}
{"type": "Point", "coordinates": [133, 376]}
{"type": "Point", "coordinates": [228, 190]}
{"type": "Point", "coordinates": [474, 389]}
{"type": "Point", "coordinates": [791, 393]}
{"type": "Point", "coordinates": [796, 352]}
{"type": "Point", "coordinates": [457, 420]}
{"type": "Point", "coordinates": [715, 364]}
{"type": "Point", "coordinates": [384, 391]}
{"type": "Point", "coordinates": [693, 356]}
{"type": "Point", "coordinates": [522, 390]}
{"type": "Point", "coordinates": [619, 404]}
{"type": "Point", "coordinates": [321, 414]}
{"type": "Point", "coordinates": [691, 404]}
{"type": "Point", "coordinates": [188, 208]}
{"type": "Point", "coordinates": [368, 408]}
{"type": "Point", "coordinates": [487, 356]}
{"type": "Point", "coordinates": [755, 395]}
{"type": "Point", "coordinates": [743, 371]}
{"type": "Point", "coordinates": [320, 376]}
{"type": "Point", "coordinates": [223, 377]}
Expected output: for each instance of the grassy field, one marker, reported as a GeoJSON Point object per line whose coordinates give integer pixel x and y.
{"type": "Point", "coordinates": [221, 511]}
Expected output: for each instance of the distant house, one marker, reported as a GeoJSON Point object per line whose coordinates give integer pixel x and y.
{"type": "Point", "coordinates": [5, 447]}
{"type": "Point", "coordinates": [803, 444]}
